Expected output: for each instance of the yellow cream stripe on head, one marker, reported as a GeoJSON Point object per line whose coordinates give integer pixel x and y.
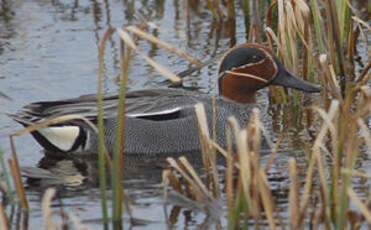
{"type": "Point", "coordinates": [247, 75]}
{"type": "Point", "coordinates": [268, 55]}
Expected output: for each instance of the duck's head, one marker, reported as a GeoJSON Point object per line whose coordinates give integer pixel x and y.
{"type": "Point", "coordinates": [246, 68]}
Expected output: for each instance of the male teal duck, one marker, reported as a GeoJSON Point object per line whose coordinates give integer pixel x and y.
{"type": "Point", "coordinates": [163, 121]}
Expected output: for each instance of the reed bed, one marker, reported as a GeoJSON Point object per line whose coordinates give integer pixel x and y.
{"type": "Point", "coordinates": [341, 135]}
{"type": "Point", "coordinates": [311, 41]}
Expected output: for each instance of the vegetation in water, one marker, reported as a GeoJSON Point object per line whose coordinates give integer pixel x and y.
{"type": "Point", "coordinates": [314, 39]}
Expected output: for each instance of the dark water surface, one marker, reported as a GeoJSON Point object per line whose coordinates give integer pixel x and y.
{"type": "Point", "coordinates": [48, 51]}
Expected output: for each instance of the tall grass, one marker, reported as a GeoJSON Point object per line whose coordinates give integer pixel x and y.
{"type": "Point", "coordinates": [341, 135]}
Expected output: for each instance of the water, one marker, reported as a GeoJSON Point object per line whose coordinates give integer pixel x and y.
{"type": "Point", "coordinates": [48, 51]}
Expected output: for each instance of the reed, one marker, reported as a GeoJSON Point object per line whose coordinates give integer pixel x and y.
{"type": "Point", "coordinates": [8, 190]}
{"type": "Point", "coordinates": [16, 175]}
{"type": "Point", "coordinates": [247, 189]}
{"type": "Point", "coordinates": [340, 137]}
{"type": "Point", "coordinates": [127, 42]}
{"type": "Point", "coordinates": [101, 158]}
{"type": "Point", "coordinates": [4, 222]}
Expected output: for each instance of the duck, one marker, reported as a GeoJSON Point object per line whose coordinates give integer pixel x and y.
{"type": "Point", "coordinates": [163, 121]}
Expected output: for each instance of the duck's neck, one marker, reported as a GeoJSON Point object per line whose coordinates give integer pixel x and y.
{"type": "Point", "coordinates": [234, 89]}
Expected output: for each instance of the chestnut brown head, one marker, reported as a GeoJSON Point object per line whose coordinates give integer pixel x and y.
{"type": "Point", "coordinates": [246, 68]}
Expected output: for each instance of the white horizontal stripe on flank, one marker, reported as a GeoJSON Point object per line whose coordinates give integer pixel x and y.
{"type": "Point", "coordinates": [161, 112]}
{"type": "Point", "coordinates": [247, 75]}
{"type": "Point", "coordinates": [62, 137]}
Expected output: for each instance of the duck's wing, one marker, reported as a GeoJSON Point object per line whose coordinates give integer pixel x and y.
{"type": "Point", "coordinates": [143, 103]}
{"type": "Point", "coordinates": [75, 135]}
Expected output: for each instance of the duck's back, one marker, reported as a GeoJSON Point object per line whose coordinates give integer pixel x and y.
{"type": "Point", "coordinates": [160, 121]}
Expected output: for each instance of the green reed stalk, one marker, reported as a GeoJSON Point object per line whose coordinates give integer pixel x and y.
{"type": "Point", "coordinates": [231, 9]}
{"type": "Point", "coordinates": [6, 177]}
{"type": "Point", "coordinates": [343, 12]}
{"type": "Point", "coordinates": [246, 7]}
{"type": "Point", "coordinates": [211, 8]}
{"type": "Point", "coordinates": [101, 148]}
{"type": "Point", "coordinates": [118, 159]}
{"type": "Point", "coordinates": [317, 25]}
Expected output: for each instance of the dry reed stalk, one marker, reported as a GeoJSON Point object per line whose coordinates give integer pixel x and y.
{"type": "Point", "coordinates": [4, 222]}
{"type": "Point", "coordinates": [208, 153]}
{"type": "Point", "coordinates": [266, 197]}
{"type": "Point", "coordinates": [204, 136]}
{"type": "Point", "coordinates": [326, 203]}
{"type": "Point", "coordinates": [165, 186]}
{"type": "Point", "coordinates": [16, 174]}
{"type": "Point", "coordinates": [194, 175]}
{"type": "Point", "coordinates": [360, 21]}
{"type": "Point", "coordinates": [46, 208]}
{"type": "Point", "coordinates": [362, 207]}
{"type": "Point", "coordinates": [281, 34]}
{"type": "Point", "coordinates": [163, 44]}
{"type": "Point", "coordinates": [255, 189]}
{"type": "Point", "coordinates": [273, 154]}
{"type": "Point", "coordinates": [158, 67]}
{"type": "Point", "coordinates": [175, 183]}
{"type": "Point", "coordinates": [329, 77]}
{"type": "Point", "coordinates": [365, 133]}
{"type": "Point", "coordinates": [243, 158]}
{"type": "Point", "coordinates": [229, 180]}
{"type": "Point", "coordinates": [307, 192]}
{"type": "Point", "coordinates": [293, 195]}
{"type": "Point", "coordinates": [200, 191]}
{"type": "Point", "coordinates": [4, 190]}
{"type": "Point", "coordinates": [364, 77]}
{"type": "Point", "coordinates": [256, 131]}
{"type": "Point", "coordinates": [291, 37]}
{"type": "Point", "coordinates": [351, 49]}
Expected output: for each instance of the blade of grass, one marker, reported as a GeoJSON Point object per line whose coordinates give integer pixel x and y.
{"type": "Point", "coordinates": [101, 142]}
{"type": "Point", "coordinates": [118, 157]}
{"type": "Point", "coordinates": [317, 25]}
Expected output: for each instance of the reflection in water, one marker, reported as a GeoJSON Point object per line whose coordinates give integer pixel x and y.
{"type": "Point", "coordinates": [82, 171]}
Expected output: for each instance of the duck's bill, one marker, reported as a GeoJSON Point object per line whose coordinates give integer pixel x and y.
{"type": "Point", "coordinates": [287, 79]}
